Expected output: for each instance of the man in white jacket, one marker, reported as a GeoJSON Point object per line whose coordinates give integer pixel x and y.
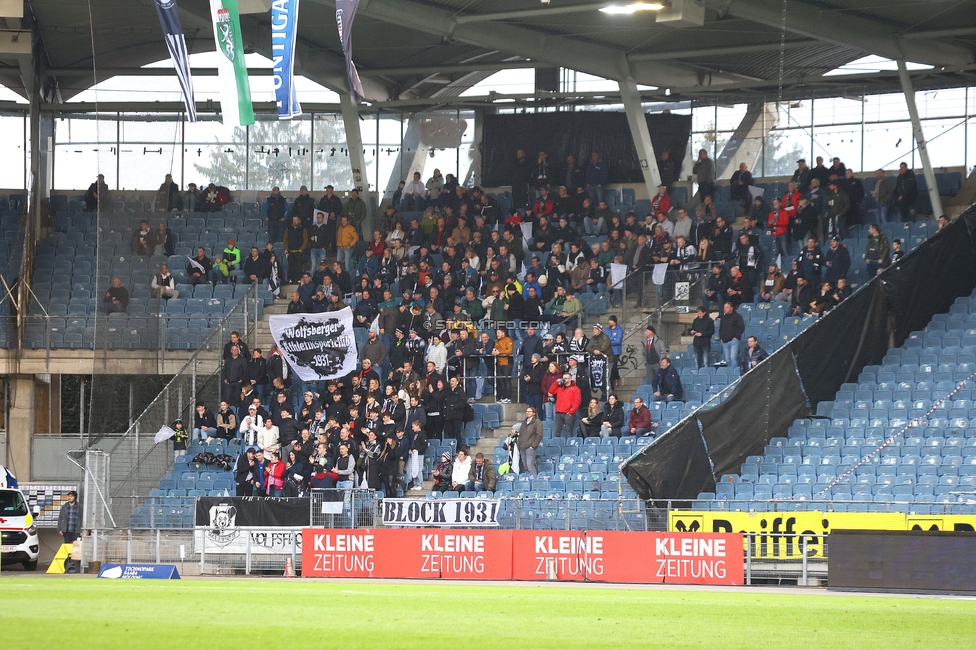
{"type": "Point", "coordinates": [251, 425]}
{"type": "Point", "coordinates": [462, 467]}
{"type": "Point", "coordinates": [268, 437]}
{"type": "Point", "coordinates": [437, 353]}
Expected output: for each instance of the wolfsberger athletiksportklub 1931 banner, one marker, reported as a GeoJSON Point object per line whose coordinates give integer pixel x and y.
{"type": "Point", "coordinates": [235, 91]}
{"type": "Point", "coordinates": [318, 347]}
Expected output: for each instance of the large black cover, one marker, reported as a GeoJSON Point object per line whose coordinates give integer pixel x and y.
{"type": "Point", "coordinates": [579, 134]}
{"type": "Point", "coordinates": [228, 512]}
{"type": "Point", "coordinates": [811, 368]}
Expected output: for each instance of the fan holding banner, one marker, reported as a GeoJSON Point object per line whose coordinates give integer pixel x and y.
{"type": "Point", "coordinates": [318, 347]}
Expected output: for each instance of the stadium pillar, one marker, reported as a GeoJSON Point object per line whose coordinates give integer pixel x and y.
{"type": "Point", "coordinates": [410, 159]}
{"type": "Point", "coordinates": [923, 152]}
{"type": "Point", "coordinates": [746, 143]}
{"type": "Point", "coordinates": [20, 425]}
{"type": "Point", "coordinates": [641, 135]}
{"type": "Point", "coordinates": [357, 158]}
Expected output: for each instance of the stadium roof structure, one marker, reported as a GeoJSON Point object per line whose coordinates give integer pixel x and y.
{"type": "Point", "coordinates": [421, 54]}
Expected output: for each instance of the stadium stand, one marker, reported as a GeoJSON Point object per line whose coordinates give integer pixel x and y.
{"type": "Point", "coordinates": [73, 269]}
{"type": "Point", "coordinates": [899, 440]}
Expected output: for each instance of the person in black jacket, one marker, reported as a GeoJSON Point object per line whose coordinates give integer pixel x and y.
{"type": "Point", "coordinates": [455, 403]}
{"type": "Point", "coordinates": [906, 192]}
{"type": "Point", "coordinates": [256, 267]}
{"type": "Point", "coordinates": [667, 384]}
{"type": "Point", "coordinates": [730, 333]}
{"type": "Point", "coordinates": [204, 423]}
{"type": "Point", "coordinates": [303, 206]}
{"type": "Point", "coordinates": [235, 339]}
{"type": "Point", "coordinates": [521, 176]}
{"type": "Point", "coordinates": [234, 370]}
{"type": "Point", "coordinates": [703, 329]}
{"type": "Point", "coordinates": [752, 355]}
{"type": "Point", "coordinates": [532, 376]}
{"type": "Point", "coordinates": [803, 295]}
{"type": "Point", "coordinates": [855, 190]}
{"type": "Point", "coordinates": [715, 288]}
{"type": "Point", "coordinates": [613, 417]}
{"type": "Point", "coordinates": [244, 473]}
{"type": "Point", "coordinates": [198, 269]}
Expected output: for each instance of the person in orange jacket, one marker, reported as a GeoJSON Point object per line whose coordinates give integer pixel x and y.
{"type": "Point", "coordinates": [568, 401]}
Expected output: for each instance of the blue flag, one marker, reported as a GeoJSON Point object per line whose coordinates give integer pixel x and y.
{"type": "Point", "coordinates": [284, 34]}
{"type": "Point", "coordinates": [169, 19]}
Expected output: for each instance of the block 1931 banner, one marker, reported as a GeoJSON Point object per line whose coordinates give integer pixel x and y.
{"type": "Point", "coordinates": [597, 556]}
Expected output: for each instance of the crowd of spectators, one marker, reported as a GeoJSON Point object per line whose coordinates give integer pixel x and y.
{"type": "Point", "coordinates": [446, 289]}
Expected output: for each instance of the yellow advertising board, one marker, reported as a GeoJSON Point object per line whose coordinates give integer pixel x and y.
{"type": "Point", "coordinates": [773, 531]}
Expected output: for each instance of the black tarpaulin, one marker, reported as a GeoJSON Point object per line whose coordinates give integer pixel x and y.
{"type": "Point", "coordinates": [677, 465]}
{"type": "Point", "coordinates": [811, 368]}
{"type": "Point", "coordinates": [765, 402]}
{"type": "Point", "coordinates": [579, 134]}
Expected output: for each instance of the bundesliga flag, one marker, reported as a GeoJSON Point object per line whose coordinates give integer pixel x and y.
{"type": "Point", "coordinates": [169, 19]}
{"type": "Point", "coordinates": [235, 91]}
{"type": "Point", "coordinates": [284, 35]}
{"type": "Point", "coordinates": [345, 14]}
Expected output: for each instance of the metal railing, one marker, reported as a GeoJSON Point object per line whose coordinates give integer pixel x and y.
{"type": "Point", "coordinates": [137, 462]}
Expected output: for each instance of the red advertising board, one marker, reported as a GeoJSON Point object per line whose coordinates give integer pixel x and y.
{"type": "Point", "coordinates": [599, 556]}
{"type": "Point", "coordinates": [408, 553]}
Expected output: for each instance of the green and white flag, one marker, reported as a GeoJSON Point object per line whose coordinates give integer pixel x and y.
{"type": "Point", "coordinates": [235, 91]}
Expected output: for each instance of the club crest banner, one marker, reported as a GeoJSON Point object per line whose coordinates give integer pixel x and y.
{"type": "Point", "coordinates": [317, 346]}
{"type": "Point", "coordinates": [284, 35]}
{"type": "Point", "coordinates": [235, 90]}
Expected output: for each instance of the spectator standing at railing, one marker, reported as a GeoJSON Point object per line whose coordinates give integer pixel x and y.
{"type": "Point", "coordinates": [883, 194]}
{"type": "Point", "coordinates": [654, 351]}
{"type": "Point", "coordinates": [702, 329]}
{"type": "Point", "coordinates": [275, 212]}
{"type": "Point", "coordinates": [295, 244]}
{"type": "Point", "coordinates": [181, 438]}
{"type": "Point", "coordinates": [752, 355]}
{"type": "Point", "coordinates": [597, 175]}
{"type": "Point", "coordinates": [615, 333]}
{"type": "Point", "coordinates": [244, 472]}
{"type": "Point", "coordinates": [568, 402]}
{"type": "Point", "coordinates": [303, 206]}
{"type": "Point", "coordinates": [455, 403]}
{"type": "Point", "coordinates": [235, 369]}
{"type": "Point", "coordinates": [533, 375]}
{"type": "Point", "coordinates": [355, 210]}
{"type": "Point", "coordinates": [730, 332]}
{"type": "Point", "coordinates": [739, 186]}
{"type": "Point", "coordinates": [529, 437]}
{"type": "Point", "coordinates": [251, 425]}
{"type": "Point", "coordinates": [502, 353]}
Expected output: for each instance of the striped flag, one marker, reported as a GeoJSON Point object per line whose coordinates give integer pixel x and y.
{"type": "Point", "coordinates": [169, 20]}
{"type": "Point", "coordinates": [345, 14]}
{"type": "Point", "coordinates": [235, 91]}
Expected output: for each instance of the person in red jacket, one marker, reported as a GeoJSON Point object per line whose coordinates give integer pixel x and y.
{"type": "Point", "coordinates": [640, 419]}
{"type": "Point", "coordinates": [661, 203]}
{"type": "Point", "coordinates": [544, 205]}
{"type": "Point", "coordinates": [791, 200]}
{"type": "Point", "coordinates": [276, 475]}
{"type": "Point", "coordinates": [779, 228]}
{"type": "Point", "coordinates": [568, 400]}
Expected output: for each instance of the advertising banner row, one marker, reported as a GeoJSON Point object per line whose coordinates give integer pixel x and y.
{"type": "Point", "coordinates": [598, 556]}
{"type": "Point", "coordinates": [774, 532]}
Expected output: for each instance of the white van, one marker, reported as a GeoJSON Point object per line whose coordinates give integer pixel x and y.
{"type": "Point", "coordinates": [17, 529]}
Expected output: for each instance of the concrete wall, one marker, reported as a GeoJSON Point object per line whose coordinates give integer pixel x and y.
{"type": "Point", "coordinates": [49, 461]}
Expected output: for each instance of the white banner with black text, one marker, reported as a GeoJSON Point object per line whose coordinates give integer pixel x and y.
{"type": "Point", "coordinates": [318, 347]}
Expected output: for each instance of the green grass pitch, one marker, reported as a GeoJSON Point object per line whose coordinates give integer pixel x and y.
{"type": "Point", "coordinates": [239, 613]}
